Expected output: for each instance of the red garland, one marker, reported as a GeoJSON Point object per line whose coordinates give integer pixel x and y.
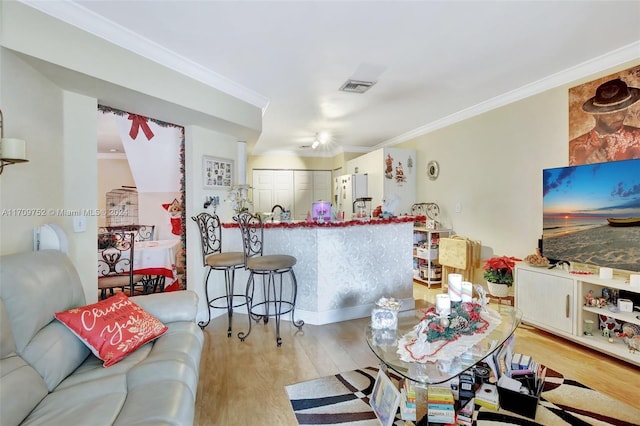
{"type": "Point", "coordinates": [341, 224]}
{"type": "Point", "coordinates": [139, 122]}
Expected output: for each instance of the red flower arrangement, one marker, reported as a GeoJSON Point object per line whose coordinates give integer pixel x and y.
{"type": "Point", "coordinates": [500, 269]}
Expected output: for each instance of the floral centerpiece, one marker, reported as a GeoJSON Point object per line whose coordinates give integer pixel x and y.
{"type": "Point", "coordinates": [464, 319]}
{"type": "Point", "coordinates": [434, 335]}
{"type": "Point", "coordinates": [498, 271]}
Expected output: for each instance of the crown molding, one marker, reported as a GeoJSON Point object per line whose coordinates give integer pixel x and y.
{"type": "Point", "coordinates": [86, 20]}
{"type": "Point", "coordinates": [609, 60]}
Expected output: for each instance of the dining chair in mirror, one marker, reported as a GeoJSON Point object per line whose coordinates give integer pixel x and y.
{"type": "Point", "coordinates": [115, 263]}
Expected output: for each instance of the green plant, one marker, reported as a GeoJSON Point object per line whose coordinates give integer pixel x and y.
{"type": "Point", "coordinates": [500, 269]}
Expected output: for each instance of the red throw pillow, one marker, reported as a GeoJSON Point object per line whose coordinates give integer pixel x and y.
{"type": "Point", "coordinates": [112, 328]}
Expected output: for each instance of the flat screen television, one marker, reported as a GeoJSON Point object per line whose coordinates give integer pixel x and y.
{"type": "Point", "coordinates": [591, 214]}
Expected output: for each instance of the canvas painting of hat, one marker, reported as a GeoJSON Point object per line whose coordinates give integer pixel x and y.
{"type": "Point", "coordinates": [604, 119]}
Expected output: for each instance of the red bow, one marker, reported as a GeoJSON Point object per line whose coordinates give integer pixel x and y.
{"type": "Point", "coordinates": [137, 122]}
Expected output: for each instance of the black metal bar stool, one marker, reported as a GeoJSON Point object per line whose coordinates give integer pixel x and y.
{"type": "Point", "coordinates": [214, 259]}
{"type": "Point", "coordinates": [273, 303]}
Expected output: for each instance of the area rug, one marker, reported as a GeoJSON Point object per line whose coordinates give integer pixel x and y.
{"type": "Point", "coordinates": [343, 399]}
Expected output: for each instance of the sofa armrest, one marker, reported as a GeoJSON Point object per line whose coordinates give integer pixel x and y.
{"type": "Point", "coordinates": [170, 307]}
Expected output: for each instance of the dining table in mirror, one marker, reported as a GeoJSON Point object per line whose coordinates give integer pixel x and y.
{"type": "Point", "coordinates": [156, 260]}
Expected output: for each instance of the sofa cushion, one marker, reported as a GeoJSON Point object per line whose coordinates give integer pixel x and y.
{"type": "Point", "coordinates": [31, 296]}
{"type": "Point", "coordinates": [22, 387]}
{"type": "Point", "coordinates": [112, 328]}
{"type": "Point", "coordinates": [95, 403]}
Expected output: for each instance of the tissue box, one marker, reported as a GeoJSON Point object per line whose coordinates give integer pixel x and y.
{"type": "Point", "coordinates": [625, 305]}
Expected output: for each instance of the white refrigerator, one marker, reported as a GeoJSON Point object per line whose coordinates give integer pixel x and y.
{"type": "Point", "coordinates": [347, 188]}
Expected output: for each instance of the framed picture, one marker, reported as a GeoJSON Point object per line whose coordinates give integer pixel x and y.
{"type": "Point", "coordinates": [217, 173]}
{"type": "Point", "coordinates": [385, 399]}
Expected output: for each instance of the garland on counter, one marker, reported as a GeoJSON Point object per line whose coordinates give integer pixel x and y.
{"type": "Point", "coordinates": [337, 224]}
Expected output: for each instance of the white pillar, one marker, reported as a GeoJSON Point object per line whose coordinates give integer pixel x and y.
{"type": "Point", "coordinates": [241, 173]}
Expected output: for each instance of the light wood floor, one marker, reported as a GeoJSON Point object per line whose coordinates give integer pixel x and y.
{"type": "Point", "coordinates": [242, 383]}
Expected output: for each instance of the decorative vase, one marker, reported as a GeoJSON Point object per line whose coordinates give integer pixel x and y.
{"type": "Point", "coordinates": [498, 289]}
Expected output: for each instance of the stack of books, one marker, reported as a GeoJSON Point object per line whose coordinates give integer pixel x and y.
{"type": "Point", "coordinates": [465, 413]}
{"type": "Point", "coordinates": [441, 405]}
{"type": "Point", "coordinates": [408, 400]}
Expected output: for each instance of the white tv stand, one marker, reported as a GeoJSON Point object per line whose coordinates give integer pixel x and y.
{"type": "Point", "coordinates": [553, 300]}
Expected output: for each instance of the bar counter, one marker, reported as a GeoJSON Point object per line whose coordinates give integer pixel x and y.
{"type": "Point", "coordinates": [342, 267]}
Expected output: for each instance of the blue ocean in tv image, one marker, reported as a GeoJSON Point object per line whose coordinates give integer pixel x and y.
{"type": "Point", "coordinates": [591, 214]}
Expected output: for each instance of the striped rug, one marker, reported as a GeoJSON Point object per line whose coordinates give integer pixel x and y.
{"type": "Point", "coordinates": [343, 399]}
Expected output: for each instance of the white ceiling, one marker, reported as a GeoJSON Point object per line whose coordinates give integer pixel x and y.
{"type": "Point", "coordinates": [434, 62]}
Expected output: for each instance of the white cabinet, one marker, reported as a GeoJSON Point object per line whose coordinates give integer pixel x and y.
{"type": "Point", "coordinates": [271, 187]}
{"type": "Point", "coordinates": [292, 189]}
{"type": "Point", "coordinates": [310, 186]}
{"type": "Point", "coordinates": [546, 300]}
{"type": "Point", "coordinates": [554, 300]}
{"type": "Point", "coordinates": [426, 245]}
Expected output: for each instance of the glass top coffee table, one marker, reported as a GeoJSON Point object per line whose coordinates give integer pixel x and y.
{"type": "Point", "coordinates": [384, 344]}
{"type": "Point", "coordinates": [442, 367]}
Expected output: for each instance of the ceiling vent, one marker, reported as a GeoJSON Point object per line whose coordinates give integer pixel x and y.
{"type": "Point", "coordinates": [356, 86]}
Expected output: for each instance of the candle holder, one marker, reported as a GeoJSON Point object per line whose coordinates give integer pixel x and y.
{"type": "Point", "coordinates": [12, 151]}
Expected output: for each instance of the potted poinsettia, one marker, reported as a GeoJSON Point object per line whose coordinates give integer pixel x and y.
{"type": "Point", "coordinates": [498, 271]}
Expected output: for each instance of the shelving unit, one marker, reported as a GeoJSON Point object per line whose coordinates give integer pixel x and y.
{"type": "Point", "coordinates": [426, 269]}
{"type": "Point", "coordinates": [554, 300]}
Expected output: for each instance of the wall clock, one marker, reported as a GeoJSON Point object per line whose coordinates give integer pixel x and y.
{"type": "Point", "coordinates": [433, 170]}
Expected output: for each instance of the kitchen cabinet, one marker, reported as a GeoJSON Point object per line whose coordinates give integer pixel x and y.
{"type": "Point", "coordinates": [554, 300]}
{"type": "Point", "coordinates": [426, 243]}
{"type": "Point", "coordinates": [294, 190]}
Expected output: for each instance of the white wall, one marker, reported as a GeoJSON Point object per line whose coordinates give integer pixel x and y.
{"type": "Point", "coordinates": [201, 141]}
{"type": "Point", "coordinates": [379, 187]}
{"type": "Point", "coordinates": [79, 183]}
{"type": "Point", "coordinates": [38, 183]}
{"type": "Point", "coordinates": [492, 166]}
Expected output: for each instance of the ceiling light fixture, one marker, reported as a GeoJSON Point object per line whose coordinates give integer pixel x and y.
{"type": "Point", "coordinates": [321, 139]}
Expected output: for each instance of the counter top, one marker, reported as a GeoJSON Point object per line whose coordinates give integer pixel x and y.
{"type": "Point", "coordinates": [333, 224]}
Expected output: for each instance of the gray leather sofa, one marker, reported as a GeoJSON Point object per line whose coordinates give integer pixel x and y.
{"type": "Point", "coordinates": [49, 377]}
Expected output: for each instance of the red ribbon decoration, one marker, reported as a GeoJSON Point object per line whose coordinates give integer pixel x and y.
{"type": "Point", "coordinates": [137, 122]}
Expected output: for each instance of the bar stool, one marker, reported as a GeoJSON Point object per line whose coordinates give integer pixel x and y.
{"type": "Point", "coordinates": [273, 303]}
{"type": "Point", "coordinates": [214, 259]}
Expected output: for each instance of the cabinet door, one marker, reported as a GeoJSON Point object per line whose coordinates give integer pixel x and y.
{"type": "Point", "coordinates": [271, 187]}
{"type": "Point", "coordinates": [545, 300]}
{"type": "Point", "coordinates": [303, 193]}
{"type": "Point", "coordinates": [322, 185]}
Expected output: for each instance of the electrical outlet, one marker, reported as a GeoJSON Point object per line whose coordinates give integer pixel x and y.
{"type": "Point", "coordinates": [458, 208]}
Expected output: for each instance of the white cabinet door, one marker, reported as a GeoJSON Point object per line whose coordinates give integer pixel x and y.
{"type": "Point", "coordinates": [322, 185]}
{"type": "Point", "coordinates": [294, 190]}
{"type": "Point", "coordinates": [271, 187]}
{"type": "Point", "coordinates": [303, 193]}
{"type": "Point", "coordinates": [546, 301]}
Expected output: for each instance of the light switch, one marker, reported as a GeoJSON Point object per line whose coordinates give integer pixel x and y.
{"type": "Point", "coordinates": [79, 223]}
